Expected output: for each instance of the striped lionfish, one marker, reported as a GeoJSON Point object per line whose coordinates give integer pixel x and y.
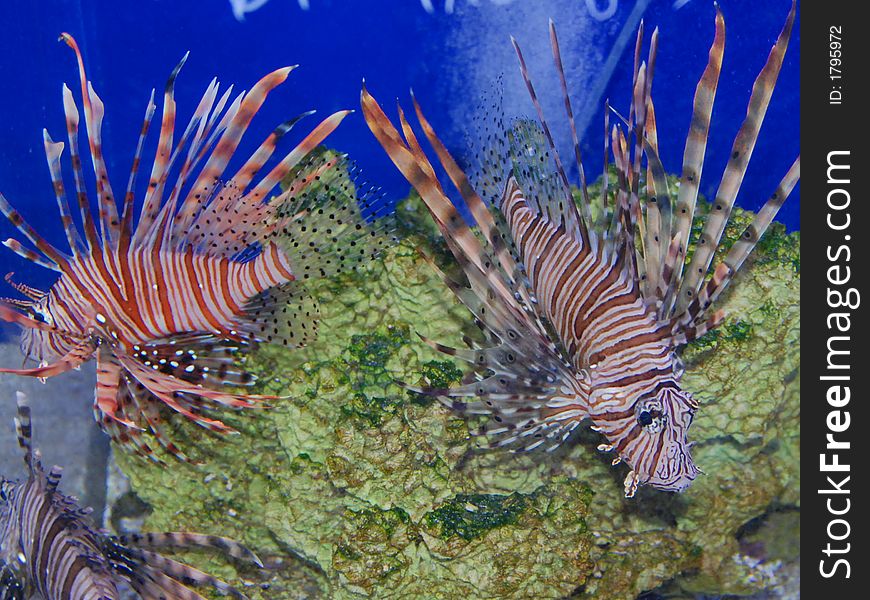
{"type": "Point", "coordinates": [167, 302]}
{"type": "Point", "coordinates": [581, 320]}
{"type": "Point", "coordinates": [49, 547]}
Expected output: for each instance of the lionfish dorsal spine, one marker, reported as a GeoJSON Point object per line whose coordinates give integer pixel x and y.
{"type": "Point", "coordinates": [732, 178]}
{"type": "Point", "coordinates": [252, 166]}
{"type": "Point", "coordinates": [53, 258]}
{"type": "Point", "coordinates": [24, 431]}
{"type": "Point", "coordinates": [657, 231]}
{"type": "Point", "coordinates": [320, 132]}
{"type": "Point", "coordinates": [693, 157]}
{"type": "Point", "coordinates": [127, 215]}
{"type": "Point", "coordinates": [750, 236]}
{"type": "Point", "coordinates": [240, 116]}
{"type": "Point", "coordinates": [71, 113]}
{"type": "Point", "coordinates": [53, 152]}
{"type": "Point", "coordinates": [568, 212]}
{"type": "Point", "coordinates": [585, 207]}
{"type": "Point", "coordinates": [151, 216]}
{"type": "Point", "coordinates": [94, 112]}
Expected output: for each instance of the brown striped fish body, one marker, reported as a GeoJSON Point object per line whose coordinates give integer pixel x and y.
{"type": "Point", "coordinates": [169, 300]}
{"type": "Point", "coordinates": [52, 554]}
{"type": "Point", "coordinates": [613, 339]}
{"type": "Point", "coordinates": [49, 547]}
{"type": "Point", "coordinates": [580, 320]}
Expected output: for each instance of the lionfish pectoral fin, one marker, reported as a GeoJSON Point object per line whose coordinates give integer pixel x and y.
{"type": "Point", "coordinates": [167, 389]}
{"type": "Point", "coordinates": [75, 357]}
{"type": "Point", "coordinates": [107, 396]}
{"type": "Point", "coordinates": [8, 314]}
{"type": "Point", "coordinates": [152, 583]}
{"type": "Point", "coordinates": [174, 576]}
{"type": "Point", "coordinates": [153, 573]}
{"type": "Point", "coordinates": [524, 414]}
{"type": "Point", "coordinates": [181, 396]}
{"type": "Point", "coordinates": [189, 539]}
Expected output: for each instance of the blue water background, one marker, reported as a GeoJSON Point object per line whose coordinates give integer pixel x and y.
{"type": "Point", "coordinates": [448, 57]}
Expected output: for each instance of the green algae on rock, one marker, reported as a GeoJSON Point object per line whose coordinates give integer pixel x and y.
{"type": "Point", "coordinates": [353, 487]}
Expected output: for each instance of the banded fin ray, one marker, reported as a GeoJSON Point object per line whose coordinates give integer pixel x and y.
{"type": "Point", "coordinates": [732, 178]}
{"type": "Point", "coordinates": [693, 155]}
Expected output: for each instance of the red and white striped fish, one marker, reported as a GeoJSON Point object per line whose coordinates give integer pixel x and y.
{"type": "Point", "coordinates": [168, 301]}
{"type": "Point", "coordinates": [49, 547]}
{"type": "Point", "coordinates": [579, 322]}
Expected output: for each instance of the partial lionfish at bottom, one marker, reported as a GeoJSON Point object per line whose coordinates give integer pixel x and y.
{"type": "Point", "coordinates": [50, 549]}
{"type": "Point", "coordinates": [582, 322]}
{"type": "Point", "coordinates": [169, 301]}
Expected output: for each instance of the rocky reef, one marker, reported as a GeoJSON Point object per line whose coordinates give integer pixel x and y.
{"type": "Point", "coordinates": [355, 487]}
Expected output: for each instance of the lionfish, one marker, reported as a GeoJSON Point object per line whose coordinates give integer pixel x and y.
{"type": "Point", "coordinates": [584, 317]}
{"type": "Point", "coordinates": [168, 301]}
{"type": "Point", "coordinates": [48, 546]}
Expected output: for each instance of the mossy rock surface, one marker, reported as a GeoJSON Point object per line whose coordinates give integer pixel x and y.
{"type": "Point", "coordinates": [355, 487]}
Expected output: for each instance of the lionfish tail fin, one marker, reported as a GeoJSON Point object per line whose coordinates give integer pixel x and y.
{"type": "Point", "coordinates": [188, 539]}
{"type": "Point", "coordinates": [327, 219]}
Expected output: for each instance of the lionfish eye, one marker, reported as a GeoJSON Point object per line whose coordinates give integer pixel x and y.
{"type": "Point", "coordinates": [645, 418]}
{"type": "Point", "coordinates": [36, 315]}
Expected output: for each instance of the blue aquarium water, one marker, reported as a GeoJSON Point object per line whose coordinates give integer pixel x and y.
{"type": "Point", "coordinates": [324, 497]}
{"type": "Point", "coordinates": [450, 53]}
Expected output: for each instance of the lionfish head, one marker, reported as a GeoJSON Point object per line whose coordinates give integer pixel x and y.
{"type": "Point", "coordinates": [652, 440]}
{"type": "Point", "coordinates": [36, 308]}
